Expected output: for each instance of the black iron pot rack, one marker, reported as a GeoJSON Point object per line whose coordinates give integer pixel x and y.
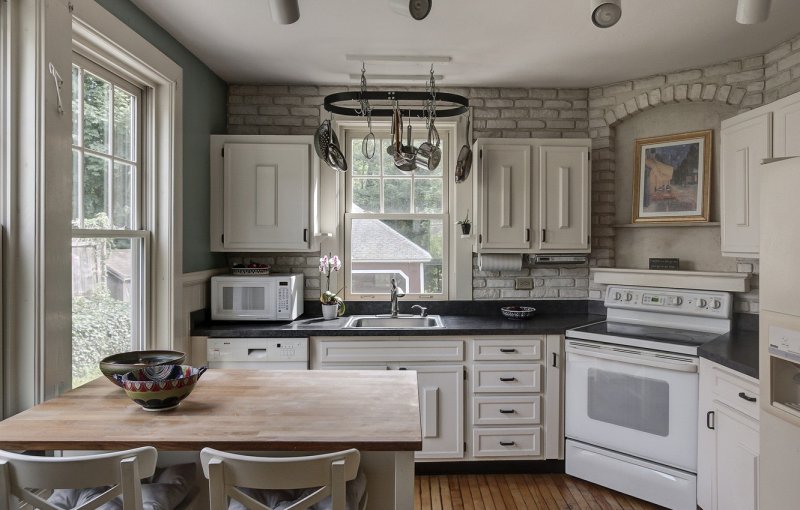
{"type": "Point", "coordinates": [458, 105]}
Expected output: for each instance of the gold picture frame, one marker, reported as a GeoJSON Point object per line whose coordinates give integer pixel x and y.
{"type": "Point", "coordinates": [672, 178]}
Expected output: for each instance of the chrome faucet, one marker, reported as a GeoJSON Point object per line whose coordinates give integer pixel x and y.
{"type": "Point", "coordinates": [395, 293]}
{"type": "Point", "coordinates": [423, 312]}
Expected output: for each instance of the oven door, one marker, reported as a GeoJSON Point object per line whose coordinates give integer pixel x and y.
{"type": "Point", "coordinates": [634, 401]}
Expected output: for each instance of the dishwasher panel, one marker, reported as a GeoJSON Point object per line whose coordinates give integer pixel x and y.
{"type": "Point", "coordinates": [258, 353]}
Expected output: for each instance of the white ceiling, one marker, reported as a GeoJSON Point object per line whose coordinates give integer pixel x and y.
{"type": "Point", "coordinates": [528, 43]}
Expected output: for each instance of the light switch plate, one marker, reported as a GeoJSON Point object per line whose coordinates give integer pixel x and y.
{"type": "Point", "coordinates": [523, 283]}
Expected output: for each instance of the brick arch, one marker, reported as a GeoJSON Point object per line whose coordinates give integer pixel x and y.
{"type": "Point", "coordinates": [684, 93]}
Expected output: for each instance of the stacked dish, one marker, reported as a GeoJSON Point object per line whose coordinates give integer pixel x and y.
{"type": "Point", "coordinates": [517, 312]}
{"type": "Point", "coordinates": [162, 387]}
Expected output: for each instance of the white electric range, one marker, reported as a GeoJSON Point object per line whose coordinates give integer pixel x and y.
{"type": "Point", "coordinates": [632, 391]}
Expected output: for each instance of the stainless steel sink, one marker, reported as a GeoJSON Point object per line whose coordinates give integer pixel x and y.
{"type": "Point", "coordinates": [401, 322]}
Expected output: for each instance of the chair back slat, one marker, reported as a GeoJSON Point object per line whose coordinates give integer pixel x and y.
{"type": "Point", "coordinates": [119, 470]}
{"type": "Point", "coordinates": [329, 472]}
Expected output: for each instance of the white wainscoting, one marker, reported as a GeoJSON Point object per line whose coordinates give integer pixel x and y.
{"type": "Point", "coordinates": [195, 297]}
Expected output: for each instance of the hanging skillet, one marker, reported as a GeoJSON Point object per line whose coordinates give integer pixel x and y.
{"type": "Point", "coordinates": [464, 161]}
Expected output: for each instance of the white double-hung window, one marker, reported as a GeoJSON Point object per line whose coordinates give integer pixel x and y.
{"type": "Point", "coordinates": [109, 242]}
{"type": "Point", "coordinates": [396, 222]}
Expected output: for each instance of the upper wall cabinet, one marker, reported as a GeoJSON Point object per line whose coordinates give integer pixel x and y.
{"type": "Point", "coordinates": [770, 131]}
{"type": "Point", "coordinates": [532, 196]}
{"type": "Point", "coordinates": [261, 193]}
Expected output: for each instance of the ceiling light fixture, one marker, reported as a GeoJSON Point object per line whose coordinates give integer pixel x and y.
{"type": "Point", "coordinates": [284, 12]}
{"type": "Point", "coordinates": [421, 59]}
{"type": "Point", "coordinates": [606, 13]}
{"type": "Point", "coordinates": [417, 9]}
{"type": "Point", "coordinates": [749, 12]}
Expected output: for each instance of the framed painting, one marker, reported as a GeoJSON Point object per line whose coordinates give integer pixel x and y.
{"type": "Point", "coordinates": [672, 178]}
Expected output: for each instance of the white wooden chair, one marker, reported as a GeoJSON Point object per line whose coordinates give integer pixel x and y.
{"type": "Point", "coordinates": [122, 471]}
{"type": "Point", "coordinates": [229, 473]}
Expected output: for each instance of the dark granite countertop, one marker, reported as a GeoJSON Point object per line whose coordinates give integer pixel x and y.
{"type": "Point", "coordinates": [737, 350]}
{"type": "Point", "coordinates": [555, 323]}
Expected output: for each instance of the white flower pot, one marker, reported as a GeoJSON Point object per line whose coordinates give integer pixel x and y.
{"type": "Point", "coordinates": [330, 311]}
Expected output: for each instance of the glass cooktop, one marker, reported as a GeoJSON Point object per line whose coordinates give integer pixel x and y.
{"type": "Point", "coordinates": [639, 335]}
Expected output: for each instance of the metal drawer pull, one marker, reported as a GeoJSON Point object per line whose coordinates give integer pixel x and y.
{"type": "Point", "coordinates": [507, 350]}
{"type": "Point", "coordinates": [749, 399]}
{"type": "Point", "coordinates": [507, 443]}
{"type": "Point", "coordinates": [508, 379]}
{"type": "Point", "coordinates": [508, 411]}
{"type": "Point", "coordinates": [709, 416]}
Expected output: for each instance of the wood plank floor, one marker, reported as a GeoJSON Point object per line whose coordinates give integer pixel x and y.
{"type": "Point", "coordinates": [518, 492]}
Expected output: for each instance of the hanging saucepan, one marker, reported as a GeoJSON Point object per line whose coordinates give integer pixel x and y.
{"type": "Point", "coordinates": [405, 159]}
{"type": "Point", "coordinates": [464, 161]}
{"type": "Point", "coordinates": [429, 154]}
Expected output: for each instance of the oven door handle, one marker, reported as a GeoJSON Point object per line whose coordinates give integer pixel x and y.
{"type": "Point", "coordinates": [602, 352]}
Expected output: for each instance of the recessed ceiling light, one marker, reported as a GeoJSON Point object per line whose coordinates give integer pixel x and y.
{"type": "Point", "coordinates": [606, 13]}
{"type": "Point", "coordinates": [284, 12]}
{"type": "Point", "coordinates": [749, 12]}
{"type": "Point", "coordinates": [417, 9]}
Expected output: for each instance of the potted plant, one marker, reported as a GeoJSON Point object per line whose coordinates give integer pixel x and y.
{"type": "Point", "coordinates": [466, 225]}
{"type": "Point", "coordinates": [332, 304]}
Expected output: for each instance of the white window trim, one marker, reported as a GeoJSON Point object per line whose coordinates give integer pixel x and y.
{"type": "Point", "coordinates": [5, 134]}
{"type": "Point", "coordinates": [451, 283]}
{"type": "Point", "coordinates": [135, 59]}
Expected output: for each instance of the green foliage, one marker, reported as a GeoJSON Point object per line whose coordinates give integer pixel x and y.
{"type": "Point", "coordinates": [101, 326]}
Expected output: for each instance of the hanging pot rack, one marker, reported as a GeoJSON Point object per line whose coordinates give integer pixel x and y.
{"type": "Point", "coordinates": [411, 104]}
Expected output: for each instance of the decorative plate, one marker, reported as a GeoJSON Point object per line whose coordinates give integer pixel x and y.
{"type": "Point", "coordinates": [249, 271]}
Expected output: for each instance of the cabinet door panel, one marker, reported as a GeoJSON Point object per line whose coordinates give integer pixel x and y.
{"type": "Point", "coordinates": [265, 192]}
{"type": "Point", "coordinates": [505, 188]}
{"type": "Point", "coordinates": [564, 182]}
{"type": "Point", "coordinates": [787, 130]}
{"type": "Point", "coordinates": [744, 145]}
{"type": "Point", "coordinates": [441, 405]}
{"type": "Point", "coordinates": [737, 461]}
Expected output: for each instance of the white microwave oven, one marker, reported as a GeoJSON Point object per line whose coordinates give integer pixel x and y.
{"type": "Point", "coordinates": [257, 298]}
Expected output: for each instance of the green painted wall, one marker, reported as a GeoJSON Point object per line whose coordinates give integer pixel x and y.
{"type": "Point", "coordinates": [204, 114]}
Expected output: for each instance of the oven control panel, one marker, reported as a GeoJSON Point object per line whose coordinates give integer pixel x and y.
{"type": "Point", "coordinates": [699, 303]}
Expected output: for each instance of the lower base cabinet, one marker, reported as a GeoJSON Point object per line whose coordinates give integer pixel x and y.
{"type": "Point", "coordinates": [482, 398]}
{"type": "Point", "coordinates": [728, 449]}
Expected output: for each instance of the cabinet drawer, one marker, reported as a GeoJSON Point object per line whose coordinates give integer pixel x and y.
{"type": "Point", "coordinates": [735, 392]}
{"type": "Point", "coordinates": [507, 378]}
{"type": "Point", "coordinates": [506, 442]}
{"type": "Point", "coordinates": [365, 351]}
{"type": "Point", "coordinates": [511, 349]}
{"type": "Point", "coordinates": [523, 410]}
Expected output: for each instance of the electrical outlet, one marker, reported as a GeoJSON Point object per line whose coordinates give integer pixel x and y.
{"type": "Point", "coordinates": [523, 283]}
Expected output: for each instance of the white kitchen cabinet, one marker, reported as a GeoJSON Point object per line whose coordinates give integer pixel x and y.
{"type": "Point", "coordinates": [440, 377]}
{"type": "Point", "coordinates": [772, 130]}
{"type": "Point", "coordinates": [564, 183]}
{"type": "Point", "coordinates": [504, 184]}
{"type": "Point", "coordinates": [745, 142]}
{"type": "Point", "coordinates": [261, 193]}
{"type": "Point", "coordinates": [728, 441]}
{"type": "Point", "coordinates": [533, 196]}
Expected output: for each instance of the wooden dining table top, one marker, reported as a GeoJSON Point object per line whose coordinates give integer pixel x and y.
{"type": "Point", "coordinates": [246, 410]}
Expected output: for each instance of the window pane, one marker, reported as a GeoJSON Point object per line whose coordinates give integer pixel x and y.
{"type": "Point", "coordinates": [124, 124]}
{"type": "Point", "coordinates": [427, 195]}
{"type": "Point", "coordinates": [76, 105]}
{"type": "Point", "coordinates": [366, 195]}
{"type": "Point", "coordinates": [76, 188]}
{"type": "Point", "coordinates": [104, 276]}
{"type": "Point", "coordinates": [409, 250]}
{"type": "Point", "coordinates": [121, 186]}
{"type": "Point", "coordinates": [95, 176]}
{"type": "Point", "coordinates": [362, 165]}
{"type": "Point", "coordinates": [397, 195]}
{"type": "Point", "coordinates": [97, 112]}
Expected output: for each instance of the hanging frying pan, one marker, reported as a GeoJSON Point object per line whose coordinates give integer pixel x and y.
{"type": "Point", "coordinates": [464, 161]}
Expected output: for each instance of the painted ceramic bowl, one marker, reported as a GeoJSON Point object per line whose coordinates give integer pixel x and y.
{"type": "Point", "coordinates": [124, 362]}
{"type": "Point", "coordinates": [517, 312]}
{"type": "Point", "coordinates": [161, 387]}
